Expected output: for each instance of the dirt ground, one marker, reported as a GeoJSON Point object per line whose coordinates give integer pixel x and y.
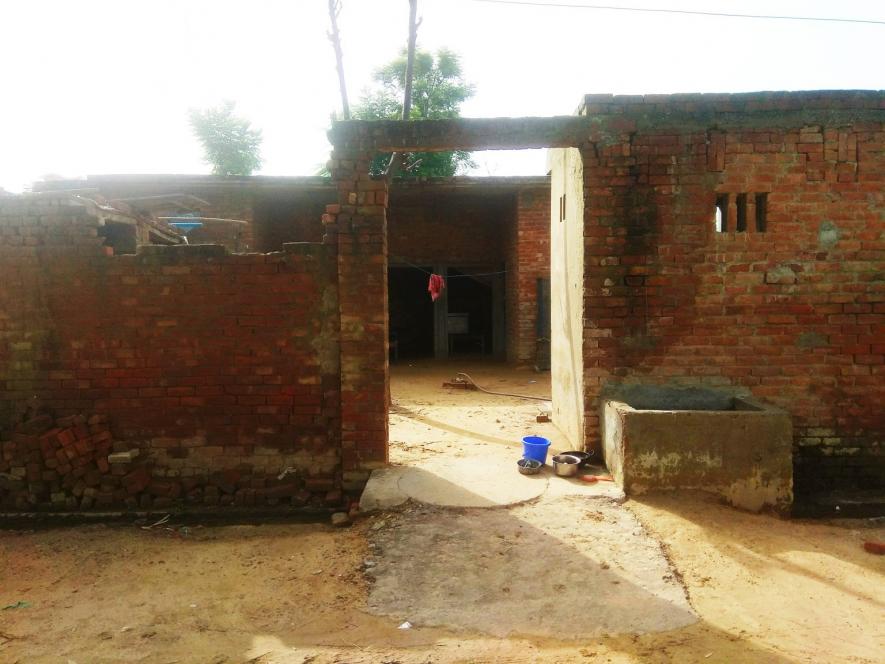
{"type": "Point", "coordinates": [765, 590]}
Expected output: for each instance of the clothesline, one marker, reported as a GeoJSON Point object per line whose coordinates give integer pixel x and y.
{"type": "Point", "coordinates": [453, 276]}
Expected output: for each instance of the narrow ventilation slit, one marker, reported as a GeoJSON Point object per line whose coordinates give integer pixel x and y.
{"type": "Point", "coordinates": [741, 205]}
{"type": "Point", "coordinates": [722, 213]}
{"type": "Point", "coordinates": [761, 212]}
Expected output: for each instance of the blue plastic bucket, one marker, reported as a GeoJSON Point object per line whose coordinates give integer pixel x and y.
{"type": "Point", "coordinates": [535, 447]}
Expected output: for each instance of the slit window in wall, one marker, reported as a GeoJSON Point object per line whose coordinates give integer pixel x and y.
{"type": "Point", "coordinates": [562, 208]}
{"type": "Point", "coordinates": [741, 205]}
{"type": "Point", "coordinates": [721, 216]}
{"type": "Point", "coordinates": [761, 212]}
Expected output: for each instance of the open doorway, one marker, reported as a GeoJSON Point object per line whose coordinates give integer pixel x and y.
{"type": "Point", "coordinates": [490, 240]}
{"type": "Point", "coordinates": [470, 316]}
{"type": "Point", "coordinates": [411, 313]}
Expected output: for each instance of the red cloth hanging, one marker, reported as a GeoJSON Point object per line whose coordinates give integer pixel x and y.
{"type": "Point", "coordinates": [436, 286]}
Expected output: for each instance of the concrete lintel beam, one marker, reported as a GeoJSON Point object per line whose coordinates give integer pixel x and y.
{"type": "Point", "coordinates": [462, 134]}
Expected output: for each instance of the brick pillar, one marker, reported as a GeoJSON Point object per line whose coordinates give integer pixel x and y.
{"type": "Point", "coordinates": [357, 223]}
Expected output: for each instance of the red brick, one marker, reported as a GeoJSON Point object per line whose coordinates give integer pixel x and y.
{"type": "Point", "coordinates": [136, 481]}
{"type": "Point", "coordinates": [66, 437]}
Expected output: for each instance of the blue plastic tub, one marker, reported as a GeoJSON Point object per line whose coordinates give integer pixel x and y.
{"type": "Point", "coordinates": [535, 447]}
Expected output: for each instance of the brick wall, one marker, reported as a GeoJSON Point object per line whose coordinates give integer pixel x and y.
{"type": "Point", "coordinates": [233, 203]}
{"type": "Point", "coordinates": [793, 313]}
{"type": "Point", "coordinates": [289, 216]}
{"type": "Point", "coordinates": [485, 223]}
{"type": "Point", "coordinates": [529, 260]}
{"type": "Point", "coordinates": [221, 370]}
{"type": "Point", "coordinates": [428, 228]}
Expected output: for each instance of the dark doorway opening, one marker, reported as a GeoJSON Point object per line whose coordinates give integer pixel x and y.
{"type": "Point", "coordinates": [470, 314]}
{"type": "Point", "coordinates": [411, 313]}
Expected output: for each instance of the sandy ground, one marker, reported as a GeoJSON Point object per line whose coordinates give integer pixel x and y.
{"type": "Point", "coordinates": [764, 590]}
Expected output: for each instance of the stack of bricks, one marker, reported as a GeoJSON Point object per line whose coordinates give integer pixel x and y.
{"type": "Point", "coordinates": [61, 463]}
{"type": "Point", "coordinates": [72, 463]}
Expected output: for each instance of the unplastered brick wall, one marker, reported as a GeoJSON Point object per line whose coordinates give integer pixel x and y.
{"type": "Point", "coordinates": [218, 372]}
{"type": "Point", "coordinates": [779, 293]}
{"type": "Point", "coordinates": [448, 228]}
{"type": "Point", "coordinates": [529, 260]}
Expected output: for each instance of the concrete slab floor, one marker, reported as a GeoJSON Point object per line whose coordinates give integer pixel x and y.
{"type": "Point", "coordinates": [557, 558]}
{"type": "Point", "coordinates": [459, 448]}
{"type": "Point", "coordinates": [571, 568]}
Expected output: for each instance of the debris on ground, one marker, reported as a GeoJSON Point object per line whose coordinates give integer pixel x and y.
{"type": "Point", "coordinates": [597, 478]}
{"type": "Point", "coordinates": [158, 523]}
{"type": "Point", "coordinates": [340, 519]}
{"type": "Point", "coordinates": [877, 548]}
{"type": "Point", "coordinates": [18, 605]}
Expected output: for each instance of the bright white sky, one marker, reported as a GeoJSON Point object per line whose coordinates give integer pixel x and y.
{"type": "Point", "coordinates": [103, 86]}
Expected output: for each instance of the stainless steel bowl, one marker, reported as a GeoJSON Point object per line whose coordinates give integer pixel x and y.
{"type": "Point", "coordinates": [529, 466]}
{"type": "Point", "coordinates": [566, 465]}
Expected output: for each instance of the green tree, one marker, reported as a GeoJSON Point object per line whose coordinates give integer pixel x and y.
{"type": "Point", "coordinates": [229, 142]}
{"type": "Point", "coordinates": [438, 90]}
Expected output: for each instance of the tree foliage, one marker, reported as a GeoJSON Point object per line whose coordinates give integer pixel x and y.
{"type": "Point", "coordinates": [438, 90]}
{"type": "Point", "coordinates": [229, 143]}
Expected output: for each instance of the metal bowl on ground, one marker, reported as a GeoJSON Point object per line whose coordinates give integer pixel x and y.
{"type": "Point", "coordinates": [566, 465]}
{"type": "Point", "coordinates": [583, 456]}
{"type": "Point", "coordinates": [529, 466]}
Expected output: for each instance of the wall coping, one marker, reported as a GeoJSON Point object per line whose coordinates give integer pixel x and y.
{"type": "Point", "coordinates": [59, 188]}
{"type": "Point", "coordinates": [739, 102]}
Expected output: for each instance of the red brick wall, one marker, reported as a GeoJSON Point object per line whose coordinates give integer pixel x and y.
{"type": "Point", "coordinates": [529, 260]}
{"type": "Point", "coordinates": [449, 228]}
{"type": "Point", "coordinates": [794, 315]}
{"type": "Point", "coordinates": [204, 361]}
{"type": "Point", "coordinates": [289, 216]}
{"type": "Point", "coordinates": [474, 225]}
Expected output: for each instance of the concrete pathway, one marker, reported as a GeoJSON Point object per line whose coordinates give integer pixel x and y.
{"type": "Point", "coordinates": [567, 567]}
{"type": "Point", "coordinates": [462, 540]}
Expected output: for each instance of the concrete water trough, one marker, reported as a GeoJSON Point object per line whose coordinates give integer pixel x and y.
{"type": "Point", "coordinates": [659, 438]}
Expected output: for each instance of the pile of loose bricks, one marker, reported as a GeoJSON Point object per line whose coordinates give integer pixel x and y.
{"type": "Point", "coordinates": [73, 463]}
{"type": "Point", "coordinates": [63, 462]}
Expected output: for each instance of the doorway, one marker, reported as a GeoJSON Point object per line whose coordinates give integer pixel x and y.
{"type": "Point", "coordinates": [470, 317]}
{"type": "Point", "coordinates": [411, 313]}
